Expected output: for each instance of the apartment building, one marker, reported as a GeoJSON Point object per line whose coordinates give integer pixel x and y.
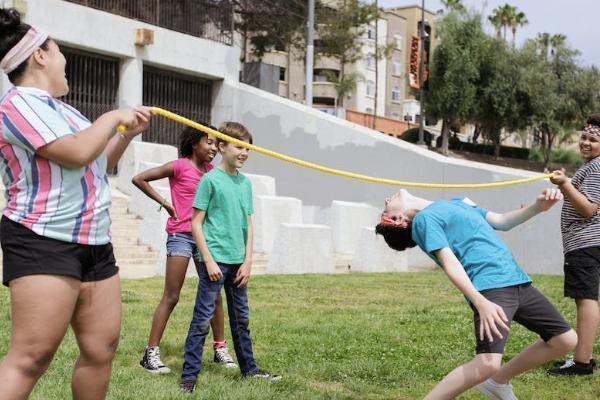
{"type": "Point", "coordinates": [388, 78]}
{"type": "Point", "coordinates": [412, 16]}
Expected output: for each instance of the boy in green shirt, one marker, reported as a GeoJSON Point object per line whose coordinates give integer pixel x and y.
{"type": "Point", "coordinates": [222, 229]}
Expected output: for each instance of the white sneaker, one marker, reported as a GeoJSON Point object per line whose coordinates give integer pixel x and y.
{"type": "Point", "coordinates": [222, 357]}
{"type": "Point", "coordinates": [496, 391]}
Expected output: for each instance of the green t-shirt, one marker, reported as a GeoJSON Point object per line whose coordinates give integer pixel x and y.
{"type": "Point", "coordinates": [227, 200]}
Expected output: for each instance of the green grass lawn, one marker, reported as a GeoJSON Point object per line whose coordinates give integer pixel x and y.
{"type": "Point", "coordinates": [347, 336]}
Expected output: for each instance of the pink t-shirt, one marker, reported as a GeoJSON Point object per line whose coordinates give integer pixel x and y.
{"type": "Point", "coordinates": [184, 182]}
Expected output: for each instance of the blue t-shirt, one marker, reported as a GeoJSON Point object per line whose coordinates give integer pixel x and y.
{"type": "Point", "coordinates": [462, 227]}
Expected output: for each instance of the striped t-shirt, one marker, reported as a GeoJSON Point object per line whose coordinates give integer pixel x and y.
{"type": "Point", "coordinates": [58, 202]}
{"type": "Point", "coordinates": [578, 232]}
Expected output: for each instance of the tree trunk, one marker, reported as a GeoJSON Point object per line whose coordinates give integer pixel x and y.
{"type": "Point", "coordinates": [445, 132]}
{"type": "Point", "coordinates": [546, 145]}
{"type": "Point", "coordinates": [497, 147]}
{"type": "Point", "coordinates": [476, 133]}
{"type": "Point", "coordinates": [514, 38]}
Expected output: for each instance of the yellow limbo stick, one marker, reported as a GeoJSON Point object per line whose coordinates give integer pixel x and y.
{"type": "Point", "coordinates": [283, 157]}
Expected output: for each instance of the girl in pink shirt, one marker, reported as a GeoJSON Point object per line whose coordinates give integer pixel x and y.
{"type": "Point", "coordinates": [196, 150]}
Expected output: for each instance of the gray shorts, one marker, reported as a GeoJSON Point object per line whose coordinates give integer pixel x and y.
{"type": "Point", "coordinates": [525, 305]}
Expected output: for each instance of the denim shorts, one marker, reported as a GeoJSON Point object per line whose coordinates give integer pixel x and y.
{"type": "Point", "coordinates": [181, 244]}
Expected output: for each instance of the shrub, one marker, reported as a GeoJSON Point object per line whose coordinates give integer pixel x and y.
{"type": "Point", "coordinates": [412, 135]}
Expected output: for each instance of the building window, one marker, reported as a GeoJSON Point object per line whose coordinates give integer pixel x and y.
{"type": "Point", "coordinates": [397, 67]}
{"type": "Point", "coordinates": [371, 32]}
{"type": "Point", "coordinates": [202, 18]}
{"type": "Point", "coordinates": [182, 94]}
{"type": "Point", "coordinates": [398, 41]}
{"type": "Point", "coordinates": [369, 110]}
{"type": "Point", "coordinates": [282, 74]}
{"type": "Point", "coordinates": [395, 115]}
{"type": "Point", "coordinates": [395, 93]}
{"type": "Point", "coordinates": [93, 82]}
{"type": "Point", "coordinates": [371, 61]}
{"type": "Point", "coordinates": [370, 88]}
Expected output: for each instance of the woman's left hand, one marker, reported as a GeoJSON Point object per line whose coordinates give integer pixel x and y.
{"type": "Point", "coordinates": [143, 115]}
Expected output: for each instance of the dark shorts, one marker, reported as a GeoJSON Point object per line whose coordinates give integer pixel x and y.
{"type": "Point", "coordinates": [27, 253]}
{"type": "Point", "coordinates": [525, 305]}
{"type": "Point", "coordinates": [582, 273]}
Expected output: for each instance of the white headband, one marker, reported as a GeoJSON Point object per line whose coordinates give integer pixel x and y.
{"type": "Point", "coordinates": [22, 50]}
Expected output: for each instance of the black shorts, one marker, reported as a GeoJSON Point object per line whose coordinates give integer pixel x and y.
{"type": "Point", "coordinates": [582, 273]}
{"type": "Point", "coordinates": [525, 305]}
{"type": "Point", "coordinates": [27, 253]}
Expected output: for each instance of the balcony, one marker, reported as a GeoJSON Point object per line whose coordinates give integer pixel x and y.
{"type": "Point", "coordinates": [324, 89]}
{"type": "Point", "coordinates": [328, 63]}
{"type": "Point", "coordinates": [207, 19]}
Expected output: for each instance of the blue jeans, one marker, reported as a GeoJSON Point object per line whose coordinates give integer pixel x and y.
{"type": "Point", "coordinates": [204, 309]}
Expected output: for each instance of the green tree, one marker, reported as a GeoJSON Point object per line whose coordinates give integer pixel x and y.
{"type": "Point", "coordinates": [559, 92]}
{"type": "Point", "coordinates": [454, 5]}
{"type": "Point", "coordinates": [455, 71]}
{"type": "Point", "coordinates": [496, 22]}
{"type": "Point", "coordinates": [518, 20]}
{"type": "Point", "coordinates": [343, 85]}
{"type": "Point", "coordinates": [502, 17]}
{"type": "Point", "coordinates": [267, 25]}
{"type": "Point", "coordinates": [340, 30]}
{"type": "Point", "coordinates": [499, 109]}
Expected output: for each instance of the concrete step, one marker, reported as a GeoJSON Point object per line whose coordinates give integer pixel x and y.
{"type": "Point", "coordinates": [136, 271]}
{"type": "Point", "coordinates": [136, 253]}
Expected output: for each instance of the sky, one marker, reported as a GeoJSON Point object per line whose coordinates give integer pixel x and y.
{"type": "Point", "coordinates": [577, 19]}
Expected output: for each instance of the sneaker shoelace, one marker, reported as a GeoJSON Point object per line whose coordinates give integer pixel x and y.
{"type": "Point", "coordinates": [568, 363]}
{"type": "Point", "coordinates": [154, 358]}
{"type": "Point", "coordinates": [223, 356]}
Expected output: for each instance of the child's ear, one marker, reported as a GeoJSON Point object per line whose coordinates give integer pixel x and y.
{"type": "Point", "coordinates": [387, 200]}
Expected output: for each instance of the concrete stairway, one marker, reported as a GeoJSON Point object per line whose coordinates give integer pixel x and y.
{"type": "Point", "coordinates": [135, 260]}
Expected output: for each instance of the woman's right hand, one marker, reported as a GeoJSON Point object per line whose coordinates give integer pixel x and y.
{"type": "Point", "coordinates": [135, 119]}
{"type": "Point", "coordinates": [213, 270]}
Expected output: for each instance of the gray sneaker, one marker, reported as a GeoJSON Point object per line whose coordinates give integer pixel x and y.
{"type": "Point", "coordinates": [497, 391]}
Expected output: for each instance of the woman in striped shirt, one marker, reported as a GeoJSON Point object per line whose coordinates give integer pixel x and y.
{"type": "Point", "coordinates": [58, 261]}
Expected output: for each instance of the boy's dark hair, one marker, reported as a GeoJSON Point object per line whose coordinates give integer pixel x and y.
{"type": "Point", "coordinates": [398, 238]}
{"type": "Point", "coordinates": [188, 139]}
{"type": "Point", "coordinates": [594, 119]}
{"type": "Point", "coordinates": [12, 30]}
{"type": "Point", "coordinates": [236, 130]}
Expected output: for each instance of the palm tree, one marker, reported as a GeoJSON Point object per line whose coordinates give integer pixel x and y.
{"type": "Point", "coordinates": [497, 24]}
{"type": "Point", "coordinates": [556, 42]}
{"type": "Point", "coordinates": [343, 85]}
{"type": "Point", "coordinates": [542, 41]}
{"type": "Point", "coordinates": [454, 5]}
{"type": "Point", "coordinates": [549, 44]}
{"type": "Point", "coordinates": [518, 19]}
{"type": "Point", "coordinates": [503, 16]}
